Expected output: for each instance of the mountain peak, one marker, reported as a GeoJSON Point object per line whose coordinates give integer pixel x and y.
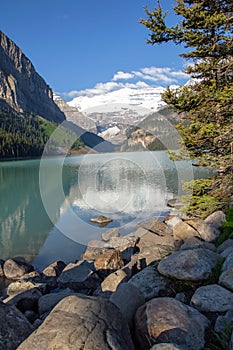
{"type": "Point", "coordinates": [22, 89]}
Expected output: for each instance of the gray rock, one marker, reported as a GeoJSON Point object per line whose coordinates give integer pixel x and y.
{"type": "Point", "coordinates": [216, 219]}
{"type": "Point", "coordinates": [149, 282]}
{"type": "Point", "coordinates": [13, 269]}
{"type": "Point", "coordinates": [228, 263]}
{"type": "Point", "coordinates": [113, 280]}
{"type": "Point", "coordinates": [156, 226]}
{"type": "Point", "coordinates": [182, 231]}
{"type": "Point", "coordinates": [192, 264]}
{"type": "Point", "coordinates": [226, 279]}
{"type": "Point", "coordinates": [81, 322]}
{"type": "Point", "coordinates": [231, 343]}
{"type": "Point", "coordinates": [112, 232]}
{"type": "Point", "coordinates": [173, 221]}
{"type": "Point", "coordinates": [226, 252]}
{"type": "Point", "coordinates": [226, 244]}
{"type": "Point", "coordinates": [196, 242]}
{"type": "Point", "coordinates": [149, 255]}
{"type": "Point", "coordinates": [14, 327]}
{"type": "Point", "coordinates": [27, 300]}
{"type": "Point", "coordinates": [212, 298]}
{"type": "Point", "coordinates": [54, 269]}
{"type": "Point", "coordinates": [31, 316]}
{"type": "Point", "coordinates": [208, 233]}
{"type": "Point", "coordinates": [47, 302]}
{"type": "Point", "coordinates": [168, 320]}
{"type": "Point", "coordinates": [149, 239]}
{"type": "Point", "coordinates": [181, 297]}
{"type": "Point", "coordinates": [79, 276]}
{"type": "Point", "coordinates": [127, 298]}
{"type": "Point", "coordinates": [167, 346]}
{"type": "Point", "coordinates": [223, 322]}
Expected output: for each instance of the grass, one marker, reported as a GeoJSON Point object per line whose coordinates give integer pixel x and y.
{"type": "Point", "coordinates": [227, 227]}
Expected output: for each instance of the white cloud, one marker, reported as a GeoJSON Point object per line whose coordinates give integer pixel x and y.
{"type": "Point", "coordinates": [145, 77]}
{"type": "Point", "coordinates": [122, 76]}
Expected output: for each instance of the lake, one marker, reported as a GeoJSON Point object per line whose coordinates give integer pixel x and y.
{"type": "Point", "coordinates": [46, 207]}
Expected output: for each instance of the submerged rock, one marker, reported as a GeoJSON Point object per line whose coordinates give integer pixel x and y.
{"type": "Point", "coordinates": [81, 322]}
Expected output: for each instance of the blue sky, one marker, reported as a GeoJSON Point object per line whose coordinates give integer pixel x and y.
{"type": "Point", "coordinates": [76, 44]}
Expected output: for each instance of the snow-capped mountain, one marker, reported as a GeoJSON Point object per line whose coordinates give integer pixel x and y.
{"type": "Point", "coordinates": [124, 106]}
{"type": "Point", "coordinates": [127, 101]}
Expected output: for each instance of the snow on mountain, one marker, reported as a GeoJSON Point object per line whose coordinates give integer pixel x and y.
{"type": "Point", "coordinates": [135, 101]}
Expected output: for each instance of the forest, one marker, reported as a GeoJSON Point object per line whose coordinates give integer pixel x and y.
{"type": "Point", "coordinates": [26, 136]}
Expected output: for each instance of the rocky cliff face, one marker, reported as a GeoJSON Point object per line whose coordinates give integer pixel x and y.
{"type": "Point", "coordinates": [21, 87]}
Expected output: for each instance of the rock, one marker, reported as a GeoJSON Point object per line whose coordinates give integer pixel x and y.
{"type": "Point", "coordinates": [81, 322]}
{"type": "Point", "coordinates": [182, 231]}
{"type": "Point", "coordinates": [167, 346]}
{"type": "Point", "coordinates": [231, 342]}
{"type": "Point", "coordinates": [175, 203]}
{"type": "Point", "coordinates": [25, 301]}
{"type": "Point", "coordinates": [226, 279]}
{"type": "Point", "coordinates": [126, 245]}
{"type": "Point", "coordinates": [226, 244]}
{"type": "Point", "coordinates": [181, 297]}
{"type": "Point", "coordinates": [228, 263]}
{"type": "Point", "coordinates": [31, 316]}
{"type": "Point", "coordinates": [150, 283]}
{"type": "Point", "coordinates": [54, 269]}
{"type": "Point", "coordinates": [192, 264]}
{"type": "Point", "coordinates": [153, 254]}
{"type": "Point", "coordinates": [216, 219]}
{"type": "Point", "coordinates": [101, 220]}
{"type": "Point", "coordinates": [223, 322]}
{"type": "Point", "coordinates": [111, 282]}
{"type": "Point", "coordinates": [107, 235]}
{"type": "Point", "coordinates": [21, 286]}
{"type": "Point", "coordinates": [22, 88]}
{"type": "Point", "coordinates": [208, 233]}
{"type": "Point", "coordinates": [1, 268]}
{"type": "Point", "coordinates": [132, 267]}
{"type": "Point", "coordinates": [168, 320]}
{"type": "Point", "coordinates": [212, 298]}
{"type": "Point", "coordinates": [79, 277]}
{"type": "Point", "coordinates": [13, 269]}
{"type": "Point", "coordinates": [156, 226]}
{"type": "Point", "coordinates": [196, 243]}
{"type": "Point", "coordinates": [94, 249]}
{"type": "Point", "coordinates": [127, 298]}
{"type": "Point", "coordinates": [149, 239]}
{"type": "Point", "coordinates": [194, 222]}
{"type": "Point", "coordinates": [14, 327]}
{"type": "Point", "coordinates": [47, 302]}
{"type": "Point", "coordinates": [109, 260]}
{"type": "Point", "coordinates": [173, 221]}
{"type": "Point", "coordinates": [226, 252]}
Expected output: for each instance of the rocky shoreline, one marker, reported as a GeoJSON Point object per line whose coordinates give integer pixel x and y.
{"type": "Point", "coordinates": [167, 285]}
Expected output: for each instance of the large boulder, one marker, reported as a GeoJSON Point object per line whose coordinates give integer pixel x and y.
{"type": "Point", "coordinates": [226, 279]}
{"type": "Point", "coordinates": [228, 263]}
{"type": "Point", "coordinates": [14, 327]}
{"type": "Point", "coordinates": [14, 269]}
{"type": "Point", "coordinates": [192, 264]}
{"type": "Point", "coordinates": [212, 298]}
{"type": "Point", "coordinates": [196, 243]}
{"type": "Point", "coordinates": [112, 281]}
{"type": "Point", "coordinates": [127, 298]}
{"type": "Point", "coordinates": [79, 276]}
{"type": "Point", "coordinates": [149, 282]}
{"type": "Point", "coordinates": [182, 231]}
{"type": "Point", "coordinates": [168, 320]}
{"type": "Point", "coordinates": [80, 322]}
{"type": "Point", "coordinates": [24, 301]}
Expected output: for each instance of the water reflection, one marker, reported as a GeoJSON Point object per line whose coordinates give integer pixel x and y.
{"type": "Point", "coordinates": [128, 187]}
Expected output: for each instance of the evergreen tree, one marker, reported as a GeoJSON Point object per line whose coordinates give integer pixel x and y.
{"type": "Point", "coordinates": [205, 31]}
